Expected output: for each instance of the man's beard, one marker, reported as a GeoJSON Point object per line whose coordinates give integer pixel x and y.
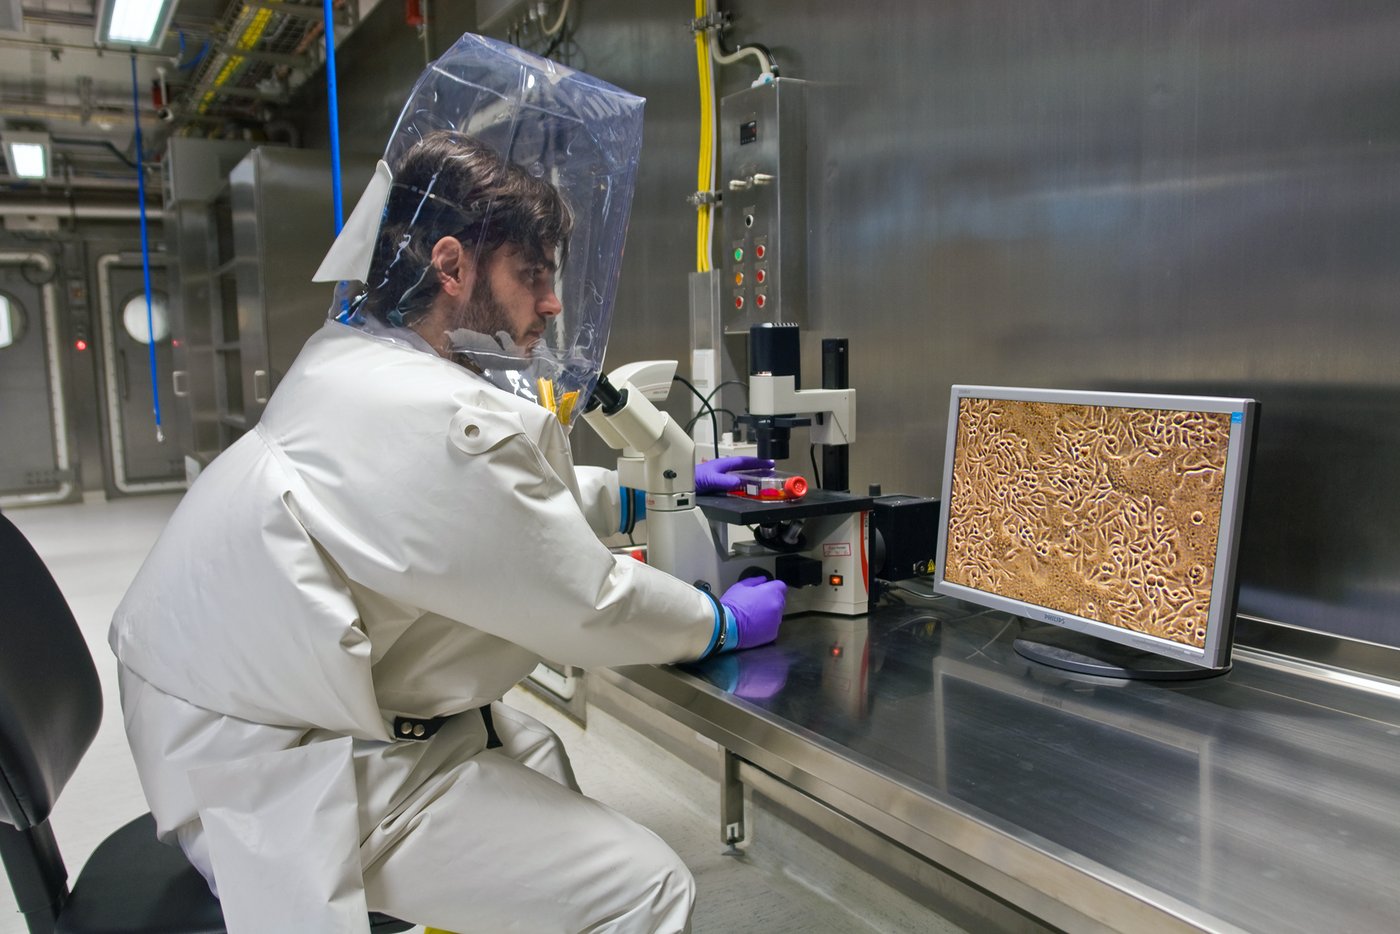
{"type": "Point", "coordinates": [485, 340]}
{"type": "Point", "coordinates": [484, 313]}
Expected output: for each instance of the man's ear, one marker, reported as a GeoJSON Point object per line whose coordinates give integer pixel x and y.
{"type": "Point", "coordinates": [455, 268]}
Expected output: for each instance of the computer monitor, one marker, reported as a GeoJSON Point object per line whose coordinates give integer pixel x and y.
{"type": "Point", "coordinates": [1109, 515]}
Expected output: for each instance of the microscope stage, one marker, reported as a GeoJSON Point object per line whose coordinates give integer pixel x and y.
{"type": "Point", "coordinates": [739, 510]}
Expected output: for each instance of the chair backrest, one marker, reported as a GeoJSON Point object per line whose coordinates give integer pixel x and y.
{"type": "Point", "coordinates": [50, 696]}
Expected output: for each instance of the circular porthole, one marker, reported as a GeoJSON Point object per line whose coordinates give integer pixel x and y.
{"type": "Point", "coordinates": [12, 321]}
{"type": "Point", "coordinates": [134, 318]}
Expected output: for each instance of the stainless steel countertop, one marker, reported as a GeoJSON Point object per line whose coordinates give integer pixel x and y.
{"type": "Point", "coordinates": [1267, 799]}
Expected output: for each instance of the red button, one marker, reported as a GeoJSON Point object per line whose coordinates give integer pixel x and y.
{"type": "Point", "coordinates": [760, 300]}
{"type": "Point", "coordinates": [738, 301]}
{"type": "Point", "coordinates": [760, 250]}
{"type": "Point", "coordinates": [760, 277]}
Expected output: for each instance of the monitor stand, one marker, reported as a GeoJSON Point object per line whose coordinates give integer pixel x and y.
{"type": "Point", "coordinates": [1072, 651]}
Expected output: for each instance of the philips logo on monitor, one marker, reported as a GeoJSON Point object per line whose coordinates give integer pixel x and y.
{"type": "Point", "coordinates": [1051, 617]}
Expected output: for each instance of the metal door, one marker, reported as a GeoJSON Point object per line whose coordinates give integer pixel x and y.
{"type": "Point", "coordinates": [35, 462]}
{"type": "Point", "coordinates": [141, 462]}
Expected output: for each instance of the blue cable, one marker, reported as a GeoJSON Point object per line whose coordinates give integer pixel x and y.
{"type": "Point", "coordinates": [333, 106]}
{"type": "Point", "coordinates": [145, 248]}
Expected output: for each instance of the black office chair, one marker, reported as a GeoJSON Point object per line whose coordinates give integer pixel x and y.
{"type": "Point", "coordinates": [50, 707]}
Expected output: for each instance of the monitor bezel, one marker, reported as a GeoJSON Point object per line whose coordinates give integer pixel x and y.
{"type": "Point", "coordinates": [1220, 621]}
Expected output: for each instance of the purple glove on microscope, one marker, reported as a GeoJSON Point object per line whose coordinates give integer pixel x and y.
{"type": "Point", "coordinates": [713, 476]}
{"type": "Point", "coordinates": [753, 610]}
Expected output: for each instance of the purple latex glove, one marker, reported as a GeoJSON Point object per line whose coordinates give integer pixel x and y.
{"type": "Point", "coordinates": [713, 476]}
{"type": "Point", "coordinates": [756, 606]}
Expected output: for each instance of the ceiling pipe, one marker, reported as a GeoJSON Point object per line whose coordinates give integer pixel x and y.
{"type": "Point", "coordinates": [51, 44]}
{"type": "Point", "coordinates": [68, 112]}
{"type": "Point", "coordinates": [78, 211]}
{"type": "Point", "coordinates": [66, 182]}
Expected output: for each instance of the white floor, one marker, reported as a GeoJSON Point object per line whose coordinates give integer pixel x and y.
{"type": "Point", "coordinates": [94, 549]}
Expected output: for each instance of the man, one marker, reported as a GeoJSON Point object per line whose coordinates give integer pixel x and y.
{"type": "Point", "coordinates": [311, 658]}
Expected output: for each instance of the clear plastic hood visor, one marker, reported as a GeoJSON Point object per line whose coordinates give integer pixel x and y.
{"type": "Point", "coordinates": [492, 232]}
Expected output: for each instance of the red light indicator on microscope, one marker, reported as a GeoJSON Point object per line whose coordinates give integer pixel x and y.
{"type": "Point", "coordinates": [80, 344]}
{"type": "Point", "coordinates": [836, 580]}
{"type": "Point", "coordinates": [836, 650]}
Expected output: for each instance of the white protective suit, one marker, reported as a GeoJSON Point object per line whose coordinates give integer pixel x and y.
{"type": "Point", "coordinates": [396, 537]}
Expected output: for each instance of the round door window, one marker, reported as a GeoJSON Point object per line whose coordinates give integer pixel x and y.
{"type": "Point", "coordinates": [134, 318]}
{"type": "Point", "coordinates": [11, 321]}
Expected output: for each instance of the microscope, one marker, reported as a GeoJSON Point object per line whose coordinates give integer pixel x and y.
{"type": "Point", "coordinates": [818, 545]}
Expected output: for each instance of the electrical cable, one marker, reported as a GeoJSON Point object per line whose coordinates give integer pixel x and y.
{"type": "Point", "coordinates": [199, 56]}
{"type": "Point", "coordinates": [559, 24]}
{"type": "Point", "coordinates": [729, 382]}
{"type": "Point", "coordinates": [145, 252]}
{"type": "Point", "coordinates": [714, 418]}
{"type": "Point", "coordinates": [767, 70]}
{"type": "Point", "coordinates": [712, 147]}
{"type": "Point", "coordinates": [816, 474]}
{"type": "Point", "coordinates": [705, 168]}
{"type": "Point", "coordinates": [910, 591]}
{"type": "Point", "coordinates": [102, 143]}
{"type": "Point", "coordinates": [690, 425]}
{"type": "Point", "coordinates": [333, 107]}
{"type": "Point", "coordinates": [709, 399]}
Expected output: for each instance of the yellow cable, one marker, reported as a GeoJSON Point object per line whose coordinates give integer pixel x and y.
{"type": "Point", "coordinates": [703, 169]}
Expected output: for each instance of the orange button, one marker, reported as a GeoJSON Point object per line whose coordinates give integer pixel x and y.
{"type": "Point", "coordinates": [739, 278]}
{"type": "Point", "coordinates": [836, 580]}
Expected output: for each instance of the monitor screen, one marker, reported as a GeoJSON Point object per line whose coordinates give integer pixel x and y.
{"type": "Point", "coordinates": [1116, 515]}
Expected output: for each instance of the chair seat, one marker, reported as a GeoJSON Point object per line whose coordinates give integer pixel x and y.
{"type": "Point", "coordinates": [134, 884]}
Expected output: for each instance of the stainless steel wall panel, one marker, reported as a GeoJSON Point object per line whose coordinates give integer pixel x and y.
{"type": "Point", "coordinates": [283, 224]}
{"type": "Point", "coordinates": [1084, 194]}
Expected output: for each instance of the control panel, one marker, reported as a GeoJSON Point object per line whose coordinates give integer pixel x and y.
{"type": "Point", "coordinates": [763, 186]}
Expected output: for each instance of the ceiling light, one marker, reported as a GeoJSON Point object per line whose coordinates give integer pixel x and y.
{"type": "Point", "coordinates": [27, 154]}
{"type": "Point", "coordinates": [133, 22]}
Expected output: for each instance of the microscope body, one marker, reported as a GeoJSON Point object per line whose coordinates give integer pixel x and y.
{"type": "Point", "coordinates": [818, 544]}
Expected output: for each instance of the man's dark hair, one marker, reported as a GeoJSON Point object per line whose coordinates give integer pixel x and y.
{"type": "Point", "coordinates": [450, 184]}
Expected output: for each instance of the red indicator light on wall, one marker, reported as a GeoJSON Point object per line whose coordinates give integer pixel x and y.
{"type": "Point", "coordinates": [760, 277]}
{"type": "Point", "coordinates": [80, 344]}
{"type": "Point", "coordinates": [760, 251]}
{"type": "Point", "coordinates": [760, 300]}
{"type": "Point", "coordinates": [738, 301]}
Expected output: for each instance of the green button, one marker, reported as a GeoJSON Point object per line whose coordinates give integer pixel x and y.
{"type": "Point", "coordinates": [738, 254]}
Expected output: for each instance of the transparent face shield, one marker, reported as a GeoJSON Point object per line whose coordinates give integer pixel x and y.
{"type": "Point", "coordinates": [492, 231]}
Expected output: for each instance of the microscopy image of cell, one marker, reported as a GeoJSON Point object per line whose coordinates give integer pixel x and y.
{"type": "Point", "coordinates": [1108, 513]}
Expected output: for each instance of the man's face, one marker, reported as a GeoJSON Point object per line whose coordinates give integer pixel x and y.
{"type": "Point", "coordinates": [514, 294]}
